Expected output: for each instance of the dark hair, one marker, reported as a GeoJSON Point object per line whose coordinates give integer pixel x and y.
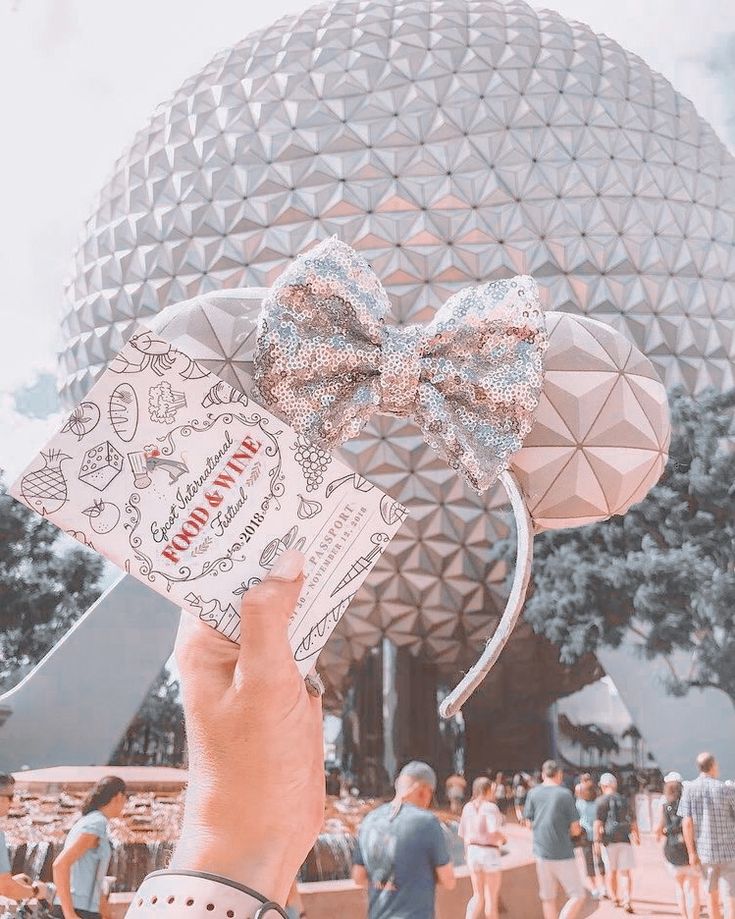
{"type": "Point", "coordinates": [480, 787]}
{"type": "Point", "coordinates": [705, 762]}
{"type": "Point", "coordinates": [6, 780]}
{"type": "Point", "coordinates": [672, 792]}
{"type": "Point", "coordinates": [550, 768]}
{"type": "Point", "coordinates": [102, 793]}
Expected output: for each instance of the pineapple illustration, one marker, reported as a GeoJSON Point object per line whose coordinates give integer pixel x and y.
{"type": "Point", "coordinates": [45, 489]}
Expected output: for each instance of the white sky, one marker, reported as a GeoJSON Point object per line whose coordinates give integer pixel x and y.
{"type": "Point", "coordinates": [80, 77]}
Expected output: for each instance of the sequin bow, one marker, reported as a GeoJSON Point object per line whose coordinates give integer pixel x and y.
{"type": "Point", "coordinates": [471, 379]}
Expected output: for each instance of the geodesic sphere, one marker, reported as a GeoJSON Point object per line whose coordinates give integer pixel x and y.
{"type": "Point", "coordinates": [601, 432]}
{"type": "Point", "coordinates": [450, 142]}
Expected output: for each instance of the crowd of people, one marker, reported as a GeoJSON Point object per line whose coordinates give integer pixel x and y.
{"type": "Point", "coordinates": [402, 854]}
{"type": "Point", "coordinates": [255, 736]}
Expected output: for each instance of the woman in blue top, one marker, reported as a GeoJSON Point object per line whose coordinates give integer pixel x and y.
{"type": "Point", "coordinates": [586, 800]}
{"type": "Point", "coordinates": [81, 866]}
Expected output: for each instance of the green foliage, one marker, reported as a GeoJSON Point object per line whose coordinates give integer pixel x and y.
{"type": "Point", "coordinates": [665, 570]}
{"type": "Point", "coordinates": [46, 581]}
{"type": "Point", "coordinates": [155, 737]}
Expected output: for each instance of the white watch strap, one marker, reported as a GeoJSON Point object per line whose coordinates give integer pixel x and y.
{"type": "Point", "coordinates": [197, 895]}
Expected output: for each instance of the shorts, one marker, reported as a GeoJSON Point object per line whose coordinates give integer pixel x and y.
{"type": "Point", "coordinates": [683, 871]}
{"type": "Point", "coordinates": [593, 863]}
{"type": "Point", "coordinates": [563, 872]}
{"type": "Point", "coordinates": [618, 856]}
{"type": "Point", "coordinates": [483, 858]}
{"type": "Point", "coordinates": [720, 876]}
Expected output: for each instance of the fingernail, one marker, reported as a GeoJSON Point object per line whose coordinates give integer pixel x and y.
{"type": "Point", "coordinates": [289, 565]}
{"type": "Point", "coordinates": [314, 685]}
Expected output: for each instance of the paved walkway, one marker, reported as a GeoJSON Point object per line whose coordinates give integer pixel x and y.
{"type": "Point", "coordinates": [653, 888]}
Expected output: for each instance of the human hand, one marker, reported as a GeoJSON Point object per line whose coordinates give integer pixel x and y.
{"type": "Point", "coordinates": [255, 800]}
{"type": "Point", "coordinates": [43, 892]}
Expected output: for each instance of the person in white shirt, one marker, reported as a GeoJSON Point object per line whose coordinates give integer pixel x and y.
{"type": "Point", "coordinates": [480, 828]}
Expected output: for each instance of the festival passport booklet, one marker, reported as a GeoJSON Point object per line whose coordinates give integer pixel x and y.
{"type": "Point", "coordinates": [195, 489]}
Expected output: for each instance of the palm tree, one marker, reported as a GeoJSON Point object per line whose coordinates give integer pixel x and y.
{"type": "Point", "coordinates": [635, 737]}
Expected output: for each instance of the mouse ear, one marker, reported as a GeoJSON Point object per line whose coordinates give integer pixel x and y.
{"type": "Point", "coordinates": [598, 445]}
{"type": "Point", "coordinates": [601, 433]}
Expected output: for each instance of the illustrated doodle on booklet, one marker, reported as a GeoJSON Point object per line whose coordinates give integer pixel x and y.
{"type": "Point", "coordinates": [308, 508]}
{"type": "Point", "coordinates": [278, 546]}
{"type": "Point", "coordinates": [83, 419]}
{"type": "Point", "coordinates": [123, 412]}
{"type": "Point", "coordinates": [223, 394]}
{"type": "Point", "coordinates": [379, 541]}
{"type": "Point", "coordinates": [313, 460]}
{"type": "Point", "coordinates": [354, 478]}
{"type": "Point", "coordinates": [45, 489]}
{"type": "Point", "coordinates": [195, 489]}
{"type": "Point", "coordinates": [313, 641]}
{"type": "Point", "coordinates": [103, 516]}
{"type": "Point", "coordinates": [101, 465]}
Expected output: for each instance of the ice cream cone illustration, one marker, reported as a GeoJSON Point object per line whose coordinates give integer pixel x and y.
{"type": "Point", "coordinates": [45, 489]}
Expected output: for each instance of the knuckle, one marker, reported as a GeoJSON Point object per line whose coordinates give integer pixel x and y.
{"type": "Point", "coordinates": [270, 595]}
{"type": "Point", "coordinates": [261, 596]}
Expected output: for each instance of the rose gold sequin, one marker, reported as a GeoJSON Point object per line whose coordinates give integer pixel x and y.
{"type": "Point", "coordinates": [471, 378]}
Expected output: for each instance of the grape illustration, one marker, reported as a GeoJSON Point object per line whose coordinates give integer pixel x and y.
{"type": "Point", "coordinates": [313, 462]}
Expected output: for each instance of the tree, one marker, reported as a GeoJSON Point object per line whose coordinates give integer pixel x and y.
{"type": "Point", "coordinates": [588, 737]}
{"type": "Point", "coordinates": [635, 737]}
{"type": "Point", "coordinates": [665, 571]}
{"type": "Point", "coordinates": [46, 581]}
{"type": "Point", "coordinates": [155, 737]}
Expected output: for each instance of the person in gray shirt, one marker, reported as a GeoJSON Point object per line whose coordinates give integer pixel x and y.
{"type": "Point", "coordinates": [401, 851]}
{"type": "Point", "coordinates": [552, 814]}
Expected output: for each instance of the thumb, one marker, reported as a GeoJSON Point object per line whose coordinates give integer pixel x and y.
{"type": "Point", "coordinates": [266, 610]}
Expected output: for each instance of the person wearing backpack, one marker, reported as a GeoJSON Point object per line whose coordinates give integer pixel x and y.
{"type": "Point", "coordinates": [675, 850]}
{"type": "Point", "coordinates": [615, 827]}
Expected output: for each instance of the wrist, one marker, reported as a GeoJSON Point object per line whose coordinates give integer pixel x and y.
{"type": "Point", "coordinates": [164, 893]}
{"type": "Point", "coordinates": [262, 871]}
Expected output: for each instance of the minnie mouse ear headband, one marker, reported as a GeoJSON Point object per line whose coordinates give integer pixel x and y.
{"type": "Point", "coordinates": [473, 380]}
